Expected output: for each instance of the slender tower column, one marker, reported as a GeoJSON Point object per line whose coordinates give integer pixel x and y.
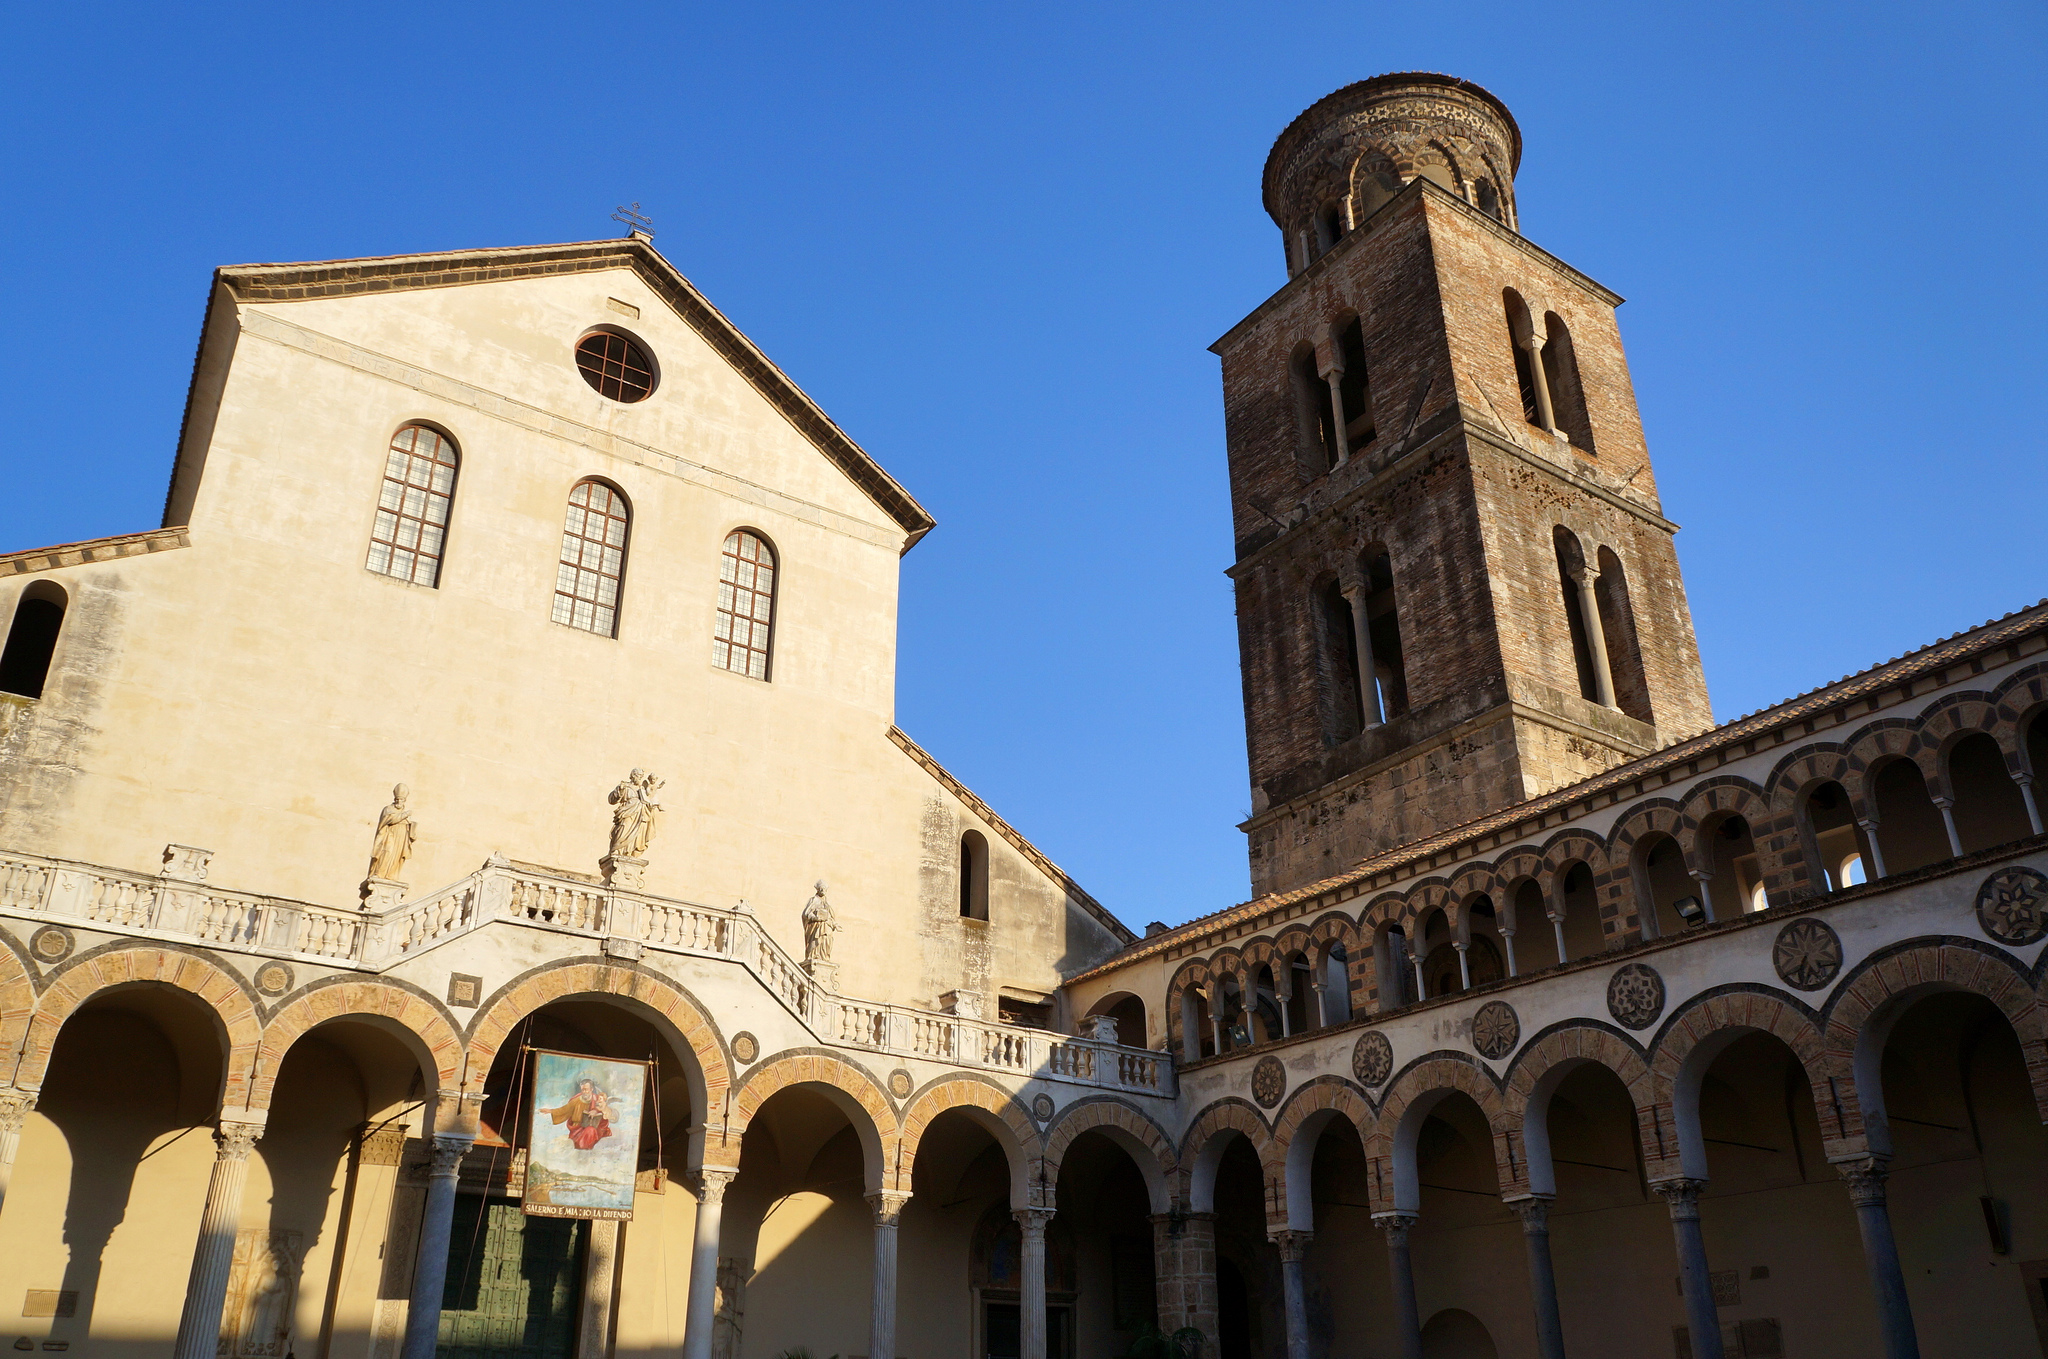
{"type": "Point", "coordinates": [1335, 379]}
{"type": "Point", "coordinates": [702, 1317]}
{"type": "Point", "coordinates": [1032, 1222]}
{"type": "Point", "coordinates": [430, 1265]}
{"type": "Point", "coordinates": [1545, 416]}
{"type": "Point", "coordinates": [882, 1314]}
{"type": "Point", "coordinates": [1368, 668]}
{"type": "Point", "coordinates": [1535, 1214]}
{"type": "Point", "coordinates": [1583, 580]}
{"type": "Point", "coordinates": [1317, 1015]}
{"type": "Point", "coordinates": [1421, 989]}
{"type": "Point", "coordinates": [1876, 865]}
{"type": "Point", "coordinates": [1464, 964]}
{"type": "Point", "coordinates": [207, 1291]}
{"type": "Point", "coordinates": [1948, 823]}
{"type": "Point", "coordinates": [2026, 783]}
{"type": "Point", "coordinates": [1293, 1250]}
{"type": "Point", "coordinates": [1701, 1319]}
{"type": "Point", "coordinates": [15, 1107]}
{"type": "Point", "coordinates": [1866, 1177]}
{"type": "Point", "coordinates": [1401, 1270]}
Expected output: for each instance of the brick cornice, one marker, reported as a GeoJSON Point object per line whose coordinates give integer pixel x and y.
{"type": "Point", "coordinates": [35, 559]}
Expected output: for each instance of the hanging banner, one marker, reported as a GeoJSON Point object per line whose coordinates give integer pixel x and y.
{"type": "Point", "coordinates": [585, 1144]}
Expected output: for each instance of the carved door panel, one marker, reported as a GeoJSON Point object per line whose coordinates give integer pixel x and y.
{"type": "Point", "coordinates": [513, 1283]}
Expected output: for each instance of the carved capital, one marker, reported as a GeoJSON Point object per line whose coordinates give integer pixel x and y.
{"type": "Point", "coordinates": [1032, 1221]}
{"type": "Point", "coordinates": [15, 1106]}
{"type": "Point", "coordinates": [1293, 1245]}
{"type": "Point", "coordinates": [447, 1158]}
{"type": "Point", "coordinates": [1683, 1196]}
{"type": "Point", "coordinates": [712, 1182]}
{"type": "Point", "coordinates": [1866, 1176]}
{"type": "Point", "coordinates": [1534, 1212]}
{"type": "Point", "coordinates": [888, 1207]}
{"type": "Point", "coordinates": [1583, 574]}
{"type": "Point", "coordinates": [1396, 1226]}
{"type": "Point", "coordinates": [236, 1140]}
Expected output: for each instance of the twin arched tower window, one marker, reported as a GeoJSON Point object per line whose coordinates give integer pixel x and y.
{"type": "Point", "coordinates": [1547, 372]}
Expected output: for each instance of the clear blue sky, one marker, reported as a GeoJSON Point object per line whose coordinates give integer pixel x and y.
{"type": "Point", "coordinates": [996, 241]}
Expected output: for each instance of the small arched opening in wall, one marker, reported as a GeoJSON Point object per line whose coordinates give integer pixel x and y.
{"type": "Point", "coordinates": [1583, 936]}
{"type": "Point", "coordinates": [1571, 567]}
{"type": "Point", "coordinates": [1534, 938]}
{"type": "Point", "coordinates": [1567, 394]}
{"type": "Point", "coordinates": [1394, 954]}
{"type": "Point", "coordinates": [1988, 807]}
{"type": "Point", "coordinates": [32, 638]}
{"type": "Point", "coordinates": [1910, 833]}
{"type": "Point", "coordinates": [1316, 436]}
{"type": "Point", "coordinates": [1624, 645]}
{"type": "Point", "coordinates": [1729, 850]}
{"type": "Point", "coordinates": [1304, 1011]}
{"type": "Point", "coordinates": [1389, 661]}
{"type": "Point", "coordinates": [973, 875]}
{"type": "Point", "coordinates": [1337, 985]}
{"type": "Point", "coordinates": [1337, 651]}
{"type": "Point", "coordinates": [1107, 1185]}
{"type": "Point", "coordinates": [1439, 955]}
{"type": "Point", "coordinates": [1354, 387]}
{"type": "Point", "coordinates": [1127, 1013]}
{"type": "Point", "coordinates": [1330, 226]}
{"type": "Point", "coordinates": [1263, 1006]}
{"type": "Point", "coordinates": [1486, 949]}
{"type": "Point", "coordinates": [1519, 331]}
{"type": "Point", "coordinates": [1670, 898]}
{"type": "Point", "coordinates": [1835, 845]}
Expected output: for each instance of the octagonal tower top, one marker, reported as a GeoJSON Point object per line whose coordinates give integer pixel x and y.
{"type": "Point", "coordinates": [1352, 150]}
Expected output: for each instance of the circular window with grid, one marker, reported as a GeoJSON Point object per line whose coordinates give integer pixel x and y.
{"type": "Point", "coordinates": [614, 366]}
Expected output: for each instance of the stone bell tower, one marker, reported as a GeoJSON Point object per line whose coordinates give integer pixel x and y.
{"type": "Point", "coordinates": [1456, 588]}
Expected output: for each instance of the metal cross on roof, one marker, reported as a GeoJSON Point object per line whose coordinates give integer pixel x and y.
{"type": "Point", "coordinates": [634, 219]}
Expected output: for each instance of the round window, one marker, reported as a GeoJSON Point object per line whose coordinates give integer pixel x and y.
{"type": "Point", "coordinates": [614, 366]}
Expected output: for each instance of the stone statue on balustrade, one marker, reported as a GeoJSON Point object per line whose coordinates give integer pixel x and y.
{"type": "Point", "coordinates": [636, 816]}
{"type": "Point", "coordinates": [390, 847]}
{"type": "Point", "coordinates": [819, 927]}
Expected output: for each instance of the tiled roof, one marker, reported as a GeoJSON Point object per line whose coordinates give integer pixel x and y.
{"type": "Point", "coordinates": [1936, 656]}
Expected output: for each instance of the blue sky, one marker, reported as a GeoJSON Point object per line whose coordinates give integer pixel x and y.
{"type": "Point", "coordinates": [996, 241]}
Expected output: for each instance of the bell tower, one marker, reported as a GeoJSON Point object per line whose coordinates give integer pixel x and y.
{"type": "Point", "coordinates": [1456, 587]}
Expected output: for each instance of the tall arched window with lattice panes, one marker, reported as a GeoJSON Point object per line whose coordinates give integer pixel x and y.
{"type": "Point", "coordinates": [746, 605]}
{"type": "Point", "coordinates": [593, 561]}
{"type": "Point", "coordinates": [413, 505]}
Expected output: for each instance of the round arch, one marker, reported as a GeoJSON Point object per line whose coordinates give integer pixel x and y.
{"type": "Point", "coordinates": [856, 1092]}
{"type": "Point", "coordinates": [1302, 1121]}
{"type": "Point", "coordinates": [1201, 1150]}
{"type": "Point", "coordinates": [1699, 1031]}
{"type": "Point", "coordinates": [416, 1022]}
{"type": "Point", "coordinates": [1409, 1102]}
{"type": "Point", "coordinates": [1145, 1141]}
{"type": "Point", "coordinates": [1541, 1067]}
{"type": "Point", "coordinates": [996, 1110]}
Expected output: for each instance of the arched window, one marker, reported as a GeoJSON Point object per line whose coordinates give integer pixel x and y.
{"type": "Point", "coordinates": [1329, 226]}
{"type": "Point", "coordinates": [1667, 899]}
{"type": "Point", "coordinates": [593, 561]}
{"type": "Point", "coordinates": [1567, 395]}
{"type": "Point", "coordinates": [1534, 403]}
{"type": "Point", "coordinates": [1342, 717]}
{"type": "Point", "coordinates": [412, 508]}
{"type": "Point", "coordinates": [1836, 841]}
{"type": "Point", "coordinates": [746, 605]}
{"type": "Point", "coordinates": [32, 638]}
{"type": "Point", "coordinates": [1353, 388]}
{"type": "Point", "coordinates": [973, 876]}
{"type": "Point", "coordinates": [1488, 197]}
{"type": "Point", "coordinates": [1571, 568]}
{"type": "Point", "coordinates": [1383, 625]}
{"type": "Point", "coordinates": [1624, 645]}
{"type": "Point", "coordinates": [1317, 420]}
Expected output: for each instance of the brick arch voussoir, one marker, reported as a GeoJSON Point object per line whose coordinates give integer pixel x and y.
{"type": "Point", "coordinates": [1388, 908]}
{"type": "Point", "coordinates": [1578, 1041]}
{"type": "Point", "coordinates": [17, 1008]}
{"type": "Point", "coordinates": [1258, 953]}
{"type": "Point", "coordinates": [1574, 845]}
{"type": "Point", "coordinates": [90, 974]}
{"type": "Point", "coordinates": [1958, 716]}
{"type": "Point", "coordinates": [1747, 1007]}
{"type": "Point", "coordinates": [2021, 693]}
{"type": "Point", "coordinates": [352, 997]}
{"type": "Point", "coordinates": [967, 1091]}
{"type": "Point", "coordinates": [1878, 743]}
{"type": "Point", "coordinates": [1654, 816]}
{"type": "Point", "coordinates": [1441, 1073]}
{"type": "Point", "coordinates": [1314, 1096]}
{"type": "Point", "coordinates": [1106, 1111]}
{"type": "Point", "coordinates": [567, 980]}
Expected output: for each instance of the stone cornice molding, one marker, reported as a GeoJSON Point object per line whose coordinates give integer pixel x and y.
{"type": "Point", "coordinates": [34, 559]}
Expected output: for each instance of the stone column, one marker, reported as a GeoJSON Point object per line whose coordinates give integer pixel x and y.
{"type": "Point", "coordinates": [1507, 939]}
{"type": "Point", "coordinates": [1948, 823]}
{"type": "Point", "coordinates": [1368, 668]}
{"type": "Point", "coordinates": [1866, 1177]}
{"type": "Point", "coordinates": [1335, 379]}
{"type": "Point", "coordinates": [1875, 868]}
{"type": "Point", "coordinates": [15, 1107]}
{"type": "Point", "coordinates": [1318, 1015]}
{"type": "Point", "coordinates": [1703, 1321]}
{"type": "Point", "coordinates": [2026, 783]}
{"type": "Point", "coordinates": [702, 1316]}
{"type": "Point", "coordinates": [1184, 1256]}
{"type": "Point", "coordinates": [1538, 379]}
{"type": "Point", "coordinates": [1557, 928]}
{"type": "Point", "coordinates": [214, 1256]}
{"type": "Point", "coordinates": [1535, 1214]}
{"type": "Point", "coordinates": [1415, 961]}
{"type": "Point", "coordinates": [1032, 1222]}
{"type": "Point", "coordinates": [1401, 1271]}
{"type": "Point", "coordinates": [1464, 964]}
{"type": "Point", "coordinates": [882, 1311]}
{"type": "Point", "coordinates": [600, 1273]}
{"type": "Point", "coordinates": [1583, 580]}
{"type": "Point", "coordinates": [430, 1265]}
{"type": "Point", "coordinates": [1705, 878]}
{"type": "Point", "coordinates": [1293, 1250]}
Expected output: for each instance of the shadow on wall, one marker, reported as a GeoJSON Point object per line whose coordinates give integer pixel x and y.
{"type": "Point", "coordinates": [1452, 1334]}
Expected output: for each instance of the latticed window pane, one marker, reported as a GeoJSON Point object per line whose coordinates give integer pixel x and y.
{"type": "Point", "coordinates": [593, 559]}
{"type": "Point", "coordinates": [412, 507]}
{"type": "Point", "coordinates": [614, 366]}
{"type": "Point", "coordinates": [746, 606]}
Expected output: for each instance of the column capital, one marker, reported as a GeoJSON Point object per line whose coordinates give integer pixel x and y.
{"type": "Point", "coordinates": [1583, 574]}
{"type": "Point", "coordinates": [236, 1140]}
{"type": "Point", "coordinates": [1395, 1225]}
{"type": "Point", "coordinates": [1293, 1245]}
{"type": "Point", "coordinates": [888, 1206]}
{"type": "Point", "coordinates": [447, 1157]}
{"type": "Point", "coordinates": [1033, 1221]}
{"type": "Point", "coordinates": [1866, 1176]}
{"type": "Point", "coordinates": [1534, 1210]}
{"type": "Point", "coordinates": [15, 1107]}
{"type": "Point", "coordinates": [713, 1181]}
{"type": "Point", "coordinates": [2023, 778]}
{"type": "Point", "coordinates": [1683, 1194]}
{"type": "Point", "coordinates": [1945, 803]}
{"type": "Point", "coordinates": [1533, 342]}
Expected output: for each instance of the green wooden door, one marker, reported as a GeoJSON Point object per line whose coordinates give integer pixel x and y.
{"type": "Point", "coordinates": [513, 1283]}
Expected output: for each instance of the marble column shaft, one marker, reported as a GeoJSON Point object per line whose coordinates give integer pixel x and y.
{"type": "Point", "coordinates": [1703, 1320]}
{"type": "Point", "coordinates": [430, 1266]}
{"type": "Point", "coordinates": [1401, 1273]}
{"type": "Point", "coordinates": [1294, 1288]}
{"type": "Point", "coordinates": [701, 1318]}
{"type": "Point", "coordinates": [15, 1107]}
{"type": "Point", "coordinates": [1535, 1214]}
{"type": "Point", "coordinates": [214, 1256]}
{"type": "Point", "coordinates": [1032, 1222]}
{"type": "Point", "coordinates": [882, 1311]}
{"type": "Point", "coordinates": [1866, 1177]}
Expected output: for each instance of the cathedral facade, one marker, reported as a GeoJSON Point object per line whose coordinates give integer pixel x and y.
{"type": "Point", "coordinates": [463, 891]}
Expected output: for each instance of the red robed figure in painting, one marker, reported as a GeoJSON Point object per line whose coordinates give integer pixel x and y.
{"type": "Point", "coordinates": [587, 1113]}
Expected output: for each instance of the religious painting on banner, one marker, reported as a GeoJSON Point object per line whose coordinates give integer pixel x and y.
{"type": "Point", "coordinates": [585, 1145]}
